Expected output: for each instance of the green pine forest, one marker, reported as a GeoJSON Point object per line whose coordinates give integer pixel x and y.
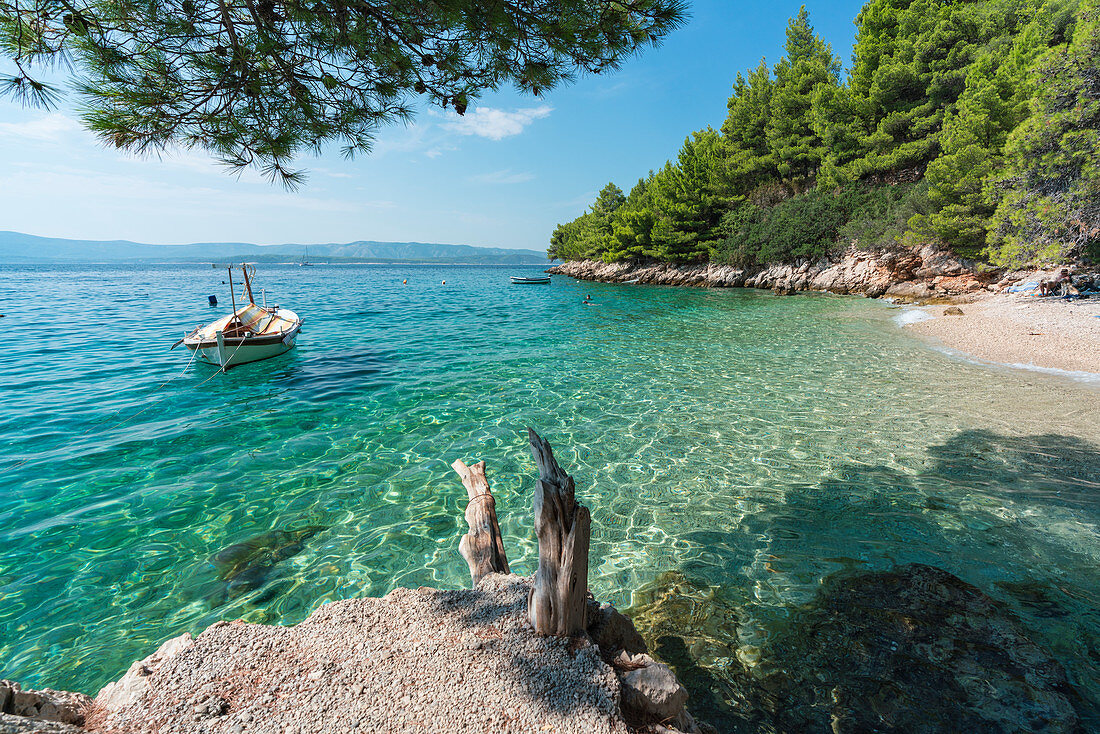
{"type": "Point", "coordinates": [972, 124]}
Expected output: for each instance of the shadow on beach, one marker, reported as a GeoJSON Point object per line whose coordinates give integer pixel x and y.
{"type": "Point", "coordinates": [940, 601]}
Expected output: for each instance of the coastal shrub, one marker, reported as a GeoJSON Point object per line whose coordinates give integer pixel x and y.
{"type": "Point", "coordinates": [881, 217]}
{"type": "Point", "coordinates": [804, 226]}
{"type": "Point", "coordinates": [813, 224]}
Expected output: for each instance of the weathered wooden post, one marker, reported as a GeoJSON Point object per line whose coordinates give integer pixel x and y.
{"type": "Point", "coordinates": [556, 604]}
{"type": "Point", "coordinates": [482, 546]}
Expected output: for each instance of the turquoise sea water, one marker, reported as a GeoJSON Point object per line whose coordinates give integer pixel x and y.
{"type": "Point", "coordinates": [757, 442]}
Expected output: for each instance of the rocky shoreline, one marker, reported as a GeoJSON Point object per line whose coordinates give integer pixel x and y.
{"type": "Point", "coordinates": [912, 275]}
{"type": "Point", "coordinates": [1003, 327]}
{"type": "Point", "coordinates": [516, 654]}
{"type": "Point", "coordinates": [413, 661]}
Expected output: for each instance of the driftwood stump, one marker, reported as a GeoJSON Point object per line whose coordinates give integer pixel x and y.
{"type": "Point", "coordinates": [482, 546]}
{"type": "Point", "coordinates": [556, 605]}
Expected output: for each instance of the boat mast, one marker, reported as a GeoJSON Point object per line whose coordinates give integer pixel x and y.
{"type": "Point", "coordinates": [247, 284]}
{"type": "Point", "coordinates": [232, 297]}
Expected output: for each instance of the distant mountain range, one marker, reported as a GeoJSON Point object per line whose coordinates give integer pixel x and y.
{"type": "Point", "coordinates": [16, 247]}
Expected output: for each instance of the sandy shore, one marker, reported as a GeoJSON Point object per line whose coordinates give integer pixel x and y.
{"type": "Point", "coordinates": [1020, 331]}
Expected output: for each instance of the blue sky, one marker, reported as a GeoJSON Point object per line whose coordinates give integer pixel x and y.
{"type": "Point", "coordinates": [501, 176]}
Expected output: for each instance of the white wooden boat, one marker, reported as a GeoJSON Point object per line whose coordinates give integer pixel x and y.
{"type": "Point", "coordinates": [538, 280]}
{"type": "Point", "coordinates": [249, 334]}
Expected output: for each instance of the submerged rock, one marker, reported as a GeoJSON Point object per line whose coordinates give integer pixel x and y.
{"type": "Point", "coordinates": [914, 649]}
{"type": "Point", "coordinates": [246, 566]}
{"type": "Point", "coordinates": [694, 628]}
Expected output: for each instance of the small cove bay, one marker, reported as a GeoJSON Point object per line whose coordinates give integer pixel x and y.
{"type": "Point", "coordinates": [750, 444]}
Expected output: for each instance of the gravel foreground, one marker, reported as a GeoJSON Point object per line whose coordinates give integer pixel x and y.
{"type": "Point", "coordinates": [414, 661]}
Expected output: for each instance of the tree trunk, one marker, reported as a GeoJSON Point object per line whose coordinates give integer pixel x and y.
{"type": "Point", "coordinates": [482, 546]}
{"type": "Point", "coordinates": [556, 605]}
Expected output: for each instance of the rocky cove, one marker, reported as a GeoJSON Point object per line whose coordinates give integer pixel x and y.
{"type": "Point", "coordinates": [522, 654]}
{"type": "Point", "coordinates": [923, 274]}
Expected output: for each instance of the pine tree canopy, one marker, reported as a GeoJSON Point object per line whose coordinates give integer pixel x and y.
{"type": "Point", "coordinates": [258, 82]}
{"type": "Point", "coordinates": [973, 125]}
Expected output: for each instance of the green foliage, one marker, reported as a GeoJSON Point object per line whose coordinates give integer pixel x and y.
{"type": "Point", "coordinates": [611, 198]}
{"type": "Point", "coordinates": [749, 160]}
{"type": "Point", "coordinates": [880, 217]}
{"type": "Point", "coordinates": [257, 82]}
{"type": "Point", "coordinates": [1048, 197]}
{"type": "Point", "coordinates": [687, 199]}
{"type": "Point", "coordinates": [993, 103]}
{"type": "Point", "coordinates": [965, 97]}
{"type": "Point", "coordinates": [815, 223]}
{"type": "Point", "coordinates": [805, 226]}
{"type": "Point", "coordinates": [809, 68]}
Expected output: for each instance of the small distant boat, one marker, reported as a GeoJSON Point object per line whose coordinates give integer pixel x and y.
{"type": "Point", "coordinates": [538, 280]}
{"type": "Point", "coordinates": [305, 259]}
{"type": "Point", "coordinates": [249, 334]}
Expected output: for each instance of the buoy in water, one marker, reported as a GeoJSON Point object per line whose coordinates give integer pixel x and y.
{"type": "Point", "coordinates": [444, 282]}
{"type": "Point", "coordinates": [213, 300]}
{"type": "Point", "coordinates": [405, 282]}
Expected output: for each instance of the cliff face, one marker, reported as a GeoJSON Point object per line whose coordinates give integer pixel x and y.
{"type": "Point", "coordinates": [927, 273]}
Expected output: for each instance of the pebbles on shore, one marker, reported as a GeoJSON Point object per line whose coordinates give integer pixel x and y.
{"type": "Point", "coordinates": [414, 661]}
{"type": "Point", "coordinates": [1022, 331]}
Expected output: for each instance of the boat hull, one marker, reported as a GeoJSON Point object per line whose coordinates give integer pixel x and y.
{"type": "Point", "coordinates": [530, 281]}
{"type": "Point", "coordinates": [226, 352]}
{"type": "Point", "coordinates": [236, 354]}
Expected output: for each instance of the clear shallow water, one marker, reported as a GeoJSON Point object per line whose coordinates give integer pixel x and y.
{"type": "Point", "coordinates": [759, 443]}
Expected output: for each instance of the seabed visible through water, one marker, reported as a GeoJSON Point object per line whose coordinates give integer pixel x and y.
{"type": "Point", "coordinates": [734, 445]}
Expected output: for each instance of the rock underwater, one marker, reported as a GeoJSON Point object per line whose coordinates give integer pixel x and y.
{"type": "Point", "coordinates": [913, 649]}
{"type": "Point", "coordinates": [246, 566]}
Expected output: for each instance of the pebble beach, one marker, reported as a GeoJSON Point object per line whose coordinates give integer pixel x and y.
{"type": "Point", "coordinates": [1020, 331]}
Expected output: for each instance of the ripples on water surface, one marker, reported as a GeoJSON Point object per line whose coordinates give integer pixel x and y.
{"type": "Point", "coordinates": [755, 442]}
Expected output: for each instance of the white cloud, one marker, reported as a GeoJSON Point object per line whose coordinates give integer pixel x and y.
{"type": "Point", "coordinates": [505, 176]}
{"type": "Point", "coordinates": [51, 128]}
{"type": "Point", "coordinates": [494, 124]}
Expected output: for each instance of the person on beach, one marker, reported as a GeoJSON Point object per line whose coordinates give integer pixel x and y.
{"type": "Point", "coordinates": [1049, 287]}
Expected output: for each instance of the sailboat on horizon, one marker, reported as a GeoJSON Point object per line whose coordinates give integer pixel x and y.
{"type": "Point", "coordinates": [305, 259]}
